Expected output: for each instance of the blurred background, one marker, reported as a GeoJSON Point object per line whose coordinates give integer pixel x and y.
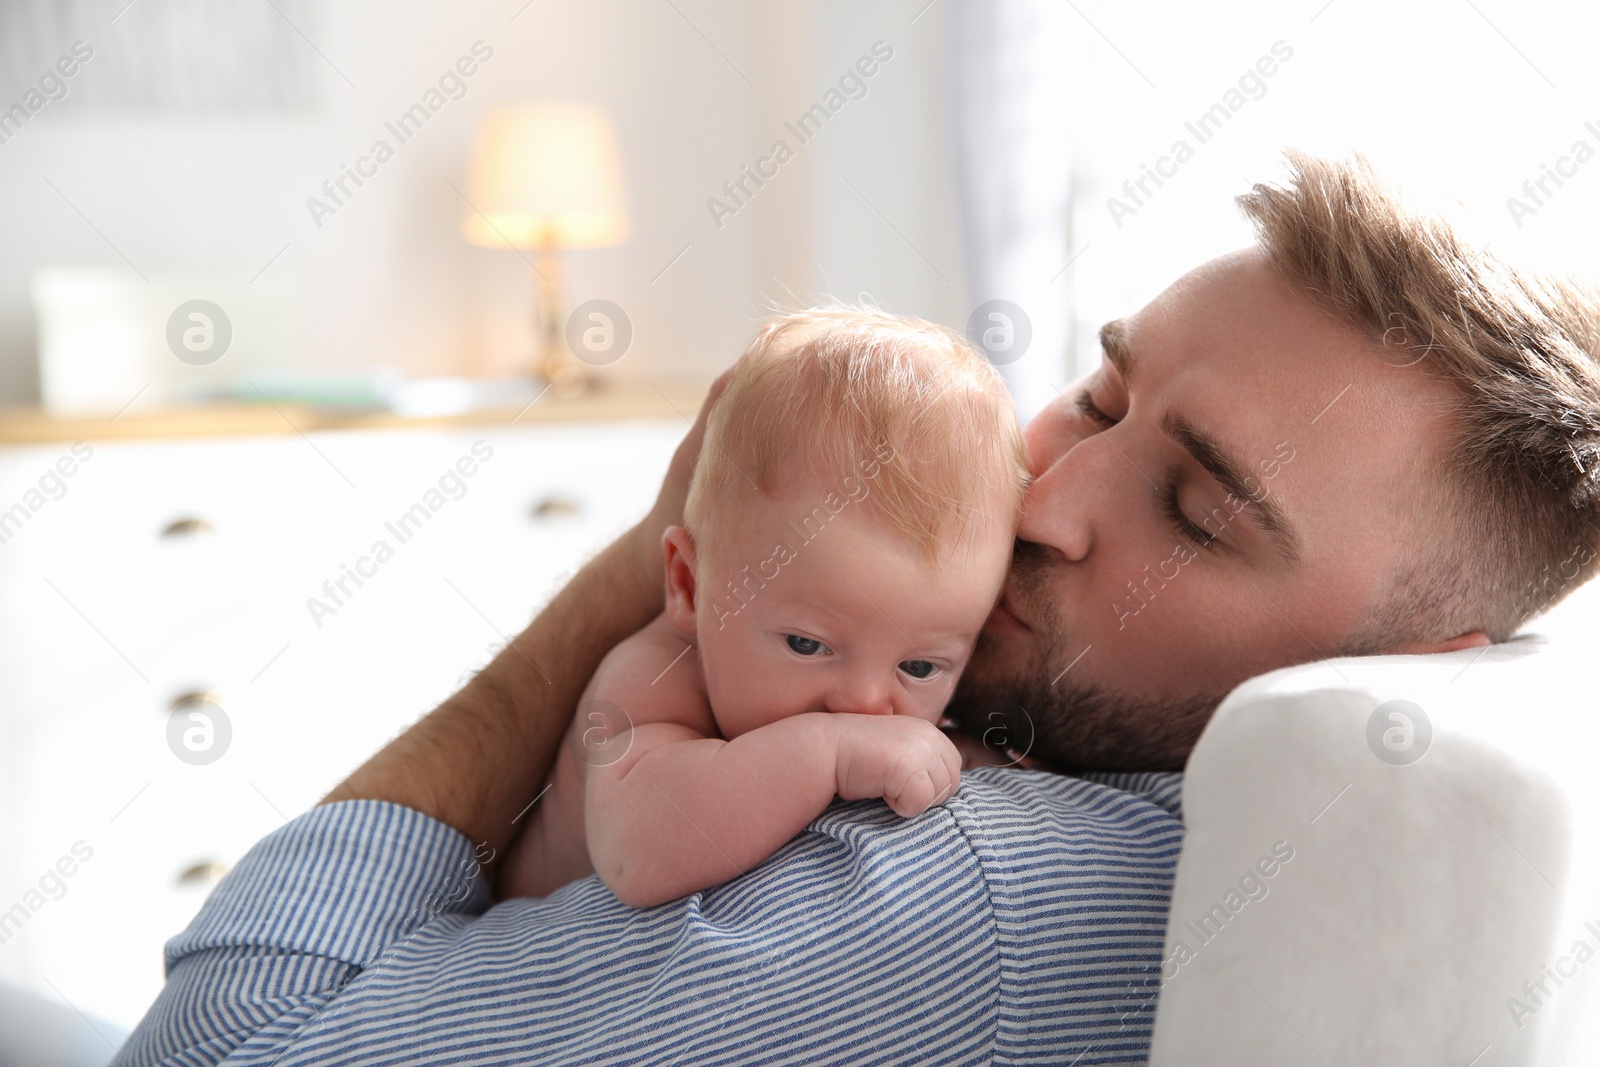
{"type": "Point", "coordinates": [285, 281]}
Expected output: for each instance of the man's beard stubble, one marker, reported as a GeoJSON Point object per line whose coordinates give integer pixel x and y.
{"type": "Point", "coordinates": [1069, 723]}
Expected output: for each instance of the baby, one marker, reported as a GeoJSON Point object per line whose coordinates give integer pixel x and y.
{"type": "Point", "coordinates": [847, 531]}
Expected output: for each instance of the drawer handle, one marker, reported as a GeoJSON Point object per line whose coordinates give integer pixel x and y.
{"type": "Point", "coordinates": [206, 872]}
{"type": "Point", "coordinates": [188, 526]}
{"type": "Point", "coordinates": [554, 507]}
{"type": "Point", "coordinates": [192, 696]}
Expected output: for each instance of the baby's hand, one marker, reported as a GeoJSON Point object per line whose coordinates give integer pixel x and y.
{"type": "Point", "coordinates": [908, 762]}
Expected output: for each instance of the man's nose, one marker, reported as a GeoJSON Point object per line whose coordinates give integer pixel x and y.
{"type": "Point", "coordinates": [1069, 501]}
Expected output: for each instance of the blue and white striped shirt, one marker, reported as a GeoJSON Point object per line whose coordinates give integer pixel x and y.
{"type": "Point", "coordinates": [1021, 922]}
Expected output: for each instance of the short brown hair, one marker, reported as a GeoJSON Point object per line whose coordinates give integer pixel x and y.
{"type": "Point", "coordinates": [832, 391]}
{"type": "Point", "coordinates": [1522, 481]}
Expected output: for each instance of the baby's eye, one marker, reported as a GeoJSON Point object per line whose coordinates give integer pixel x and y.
{"type": "Point", "coordinates": [919, 668]}
{"type": "Point", "coordinates": [804, 646]}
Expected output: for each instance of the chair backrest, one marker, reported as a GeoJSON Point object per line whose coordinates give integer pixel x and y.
{"type": "Point", "coordinates": [48, 1033]}
{"type": "Point", "coordinates": [1392, 860]}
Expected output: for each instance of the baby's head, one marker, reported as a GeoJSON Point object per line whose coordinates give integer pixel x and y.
{"type": "Point", "coordinates": [850, 521]}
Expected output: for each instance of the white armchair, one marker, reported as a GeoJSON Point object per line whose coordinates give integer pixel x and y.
{"type": "Point", "coordinates": [1436, 908]}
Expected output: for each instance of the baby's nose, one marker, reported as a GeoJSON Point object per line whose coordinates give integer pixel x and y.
{"type": "Point", "coordinates": [861, 700]}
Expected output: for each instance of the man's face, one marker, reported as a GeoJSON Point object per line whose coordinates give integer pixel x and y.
{"type": "Point", "coordinates": [1240, 506]}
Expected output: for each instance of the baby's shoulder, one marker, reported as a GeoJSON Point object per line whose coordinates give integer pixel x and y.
{"type": "Point", "coordinates": [654, 676]}
{"type": "Point", "coordinates": [634, 655]}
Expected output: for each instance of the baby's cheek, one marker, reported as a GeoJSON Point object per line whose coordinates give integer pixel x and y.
{"type": "Point", "coordinates": [927, 701]}
{"type": "Point", "coordinates": [749, 697]}
{"type": "Point", "coordinates": [729, 660]}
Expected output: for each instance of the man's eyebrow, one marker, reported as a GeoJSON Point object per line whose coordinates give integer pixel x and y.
{"type": "Point", "coordinates": [1233, 477]}
{"type": "Point", "coordinates": [1206, 452]}
{"type": "Point", "coordinates": [1114, 341]}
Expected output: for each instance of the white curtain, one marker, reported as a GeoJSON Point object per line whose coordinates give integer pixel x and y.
{"type": "Point", "coordinates": [167, 55]}
{"type": "Point", "coordinates": [1009, 76]}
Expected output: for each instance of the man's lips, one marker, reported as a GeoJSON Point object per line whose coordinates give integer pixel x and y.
{"type": "Point", "coordinates": [1004, 615]}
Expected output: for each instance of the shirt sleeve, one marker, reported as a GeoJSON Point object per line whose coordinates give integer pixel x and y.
{"type": "Point", "coordinates": [358, 934]}
{"type": "Point", "coordinates": [309, 908]}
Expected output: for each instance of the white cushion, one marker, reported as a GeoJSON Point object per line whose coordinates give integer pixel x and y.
{"type": "Point", "coordinates": [1419, 898]}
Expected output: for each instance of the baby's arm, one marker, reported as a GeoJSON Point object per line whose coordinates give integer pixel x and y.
{"type": "Point", "coordinates": [683, 811]}
{"type": "Point", "coordinates": [553, 848]}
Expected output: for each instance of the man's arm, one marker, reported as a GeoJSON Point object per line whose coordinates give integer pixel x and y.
{"type": "Point", "coordinates": [1023, 922]}
{"type": "Point", "coordinates": [477, 761]}
{"type": "Point", "coordinates": [356, 934]}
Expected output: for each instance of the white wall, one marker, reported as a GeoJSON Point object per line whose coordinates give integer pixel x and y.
{"type": "Point", "coordinates": [886, 225]}
{"type": "Point", "coordinates": [1460, 103]}
{"type": "Point", "coordinates": [388, 280]}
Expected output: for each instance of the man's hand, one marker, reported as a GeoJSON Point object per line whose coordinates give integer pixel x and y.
{"type": "Point", "coordinates": [908, 762]}
{"type": "Point", "coordinates": [645, 539]}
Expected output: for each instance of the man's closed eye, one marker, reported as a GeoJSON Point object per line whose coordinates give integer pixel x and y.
{"type": "Point", "coordinates": [1092, 412]}
{"type": "Point", "coordinates": [1186, 527]}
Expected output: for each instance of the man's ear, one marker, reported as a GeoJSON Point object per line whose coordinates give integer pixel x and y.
{"type": "Point", "coordinates": [677, 548]}
{"type": "Point", "coordinates": [1475, 639]}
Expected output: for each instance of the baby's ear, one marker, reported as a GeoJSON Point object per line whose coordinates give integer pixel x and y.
{"type": "Point", "coordinates": [678, 549]}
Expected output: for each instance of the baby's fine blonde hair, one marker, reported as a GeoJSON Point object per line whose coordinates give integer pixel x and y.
{"type": "Point", "coordinates": [905, 406]}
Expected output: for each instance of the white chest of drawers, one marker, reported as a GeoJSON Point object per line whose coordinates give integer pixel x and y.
{"type": "Point", "coordinates": [175, 568]}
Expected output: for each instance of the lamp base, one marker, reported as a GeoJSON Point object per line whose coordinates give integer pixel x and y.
{"type": "Point", "coordinates": [558, 367]}
{"type": "Point", "coordinates": [563, 374]}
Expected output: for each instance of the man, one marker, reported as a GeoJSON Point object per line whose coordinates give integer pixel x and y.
{"type": "Point", "coordinates": [1358, 437]}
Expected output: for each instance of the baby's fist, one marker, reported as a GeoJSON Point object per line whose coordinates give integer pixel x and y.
{"type": "Point", "coordinates": [908, 762]}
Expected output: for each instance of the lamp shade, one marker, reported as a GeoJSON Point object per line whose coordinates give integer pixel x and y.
{"type": "Point", "coordinates": [546, 175]}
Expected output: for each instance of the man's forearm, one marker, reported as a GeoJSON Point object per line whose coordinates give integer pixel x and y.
{"type": "Point", "coordinates": [477, 761]}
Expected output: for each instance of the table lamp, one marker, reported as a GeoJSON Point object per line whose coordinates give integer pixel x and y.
{"type": "Point", "coordinates": [546, 178]}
